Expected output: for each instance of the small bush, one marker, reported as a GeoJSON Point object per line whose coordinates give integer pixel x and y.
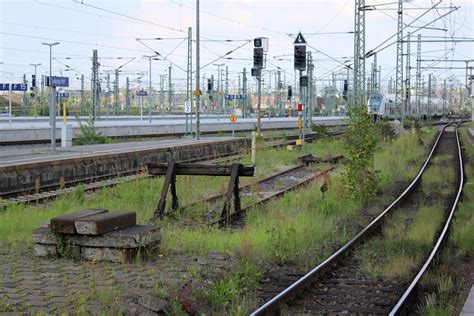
{"type": "Point", "coordinates": [89, 135]}
{"type": "Point", "coordinates": [386, 131]}
{"type": "Point", "coordinates": [361, 144]}
{"type": "Point", "coordinates": [320, 129]}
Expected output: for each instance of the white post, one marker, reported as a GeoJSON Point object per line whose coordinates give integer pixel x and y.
{"type": "Point", "coordinates": [472, 100]}
{"type": "Point", "coordinates": [254, 146]}
{"type": "Point", "coordinates": [141, 108]}
{"type": "Point", "coordinates": [10, 104]}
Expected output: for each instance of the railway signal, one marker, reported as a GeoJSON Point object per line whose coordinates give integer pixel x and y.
{"type": "Point", "coordinates": [300, 65]}
{"type": "Point", "coordinates": [300, 57]}
{"type": "Point", "coordinates": [259, 50]}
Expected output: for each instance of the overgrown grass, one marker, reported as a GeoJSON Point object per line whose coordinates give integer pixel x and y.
{"type": "Point", "coordinates": [276, 233]}
{"type": "Point", "coordinates": [17, 221]}
{"type": "Point", "coordinates": [232, 294]}
{"type": "Point", "coordinates": [399, 160]}
{"type": "Point", "coordinates": [403, 245]}
{"type": "Point", "coordinates": [409, 233]}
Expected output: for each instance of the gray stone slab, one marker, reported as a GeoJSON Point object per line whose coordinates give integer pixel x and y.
{"type": "Point", "coordinates": [122, 255]}
{"type": "Point", "coordinates": [130, 237]}
{"type": "Point", "coordinates": [41, 250]}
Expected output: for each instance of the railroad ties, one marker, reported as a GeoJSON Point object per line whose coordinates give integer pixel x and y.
{"type": "Point", "coordinates": [96, 234]}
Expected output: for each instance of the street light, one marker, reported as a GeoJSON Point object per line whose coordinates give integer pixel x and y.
{"type": "Point", "coordinates": [154, 57]}
{"type": "Point", "coordinates": [52, 114]}
{"type": "Point", "coordinates": [34, 87]}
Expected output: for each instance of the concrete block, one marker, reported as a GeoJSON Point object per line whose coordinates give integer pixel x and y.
{"type": "Point", "coordinates": [99, 224]}
{"type": "Point", "coordinates": [65, 224]}
{"type": "Point", "coordinates": [41, 250]}
{"type": "Point", "coordinates": [131, 237]}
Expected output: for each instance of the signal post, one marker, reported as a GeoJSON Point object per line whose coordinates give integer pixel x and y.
{"type": "Point", "coordinates": [300, 65]}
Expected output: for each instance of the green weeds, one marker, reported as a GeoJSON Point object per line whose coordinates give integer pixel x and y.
{"type": "Point", "coordinates": [234, 291]}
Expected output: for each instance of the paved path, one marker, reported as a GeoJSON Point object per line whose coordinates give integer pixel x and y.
{"type": "Point", "coordinates": [30, 285]}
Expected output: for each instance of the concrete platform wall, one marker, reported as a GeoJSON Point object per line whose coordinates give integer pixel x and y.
{"type": "Point", "coordinates": [27, 177]}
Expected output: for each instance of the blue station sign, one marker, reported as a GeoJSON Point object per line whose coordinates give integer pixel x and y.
{"type": "Point", "coordinates": [142, 93]}
{"type": "Point", "coordinates": [63, 94]}
{"type": "Point", "coordinates": [235, 96]}
{"type": "Point", "coordinates": [54, 81]}
{"type": "Point", "coordinates": [15, 87]}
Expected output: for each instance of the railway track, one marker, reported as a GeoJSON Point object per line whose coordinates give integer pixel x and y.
{"type": "Point", "coordinates": [262, 192]}
{"type": "Point", "coordinates": [339, 285]}
{"type": "Point", "coordinates": [95, 183]}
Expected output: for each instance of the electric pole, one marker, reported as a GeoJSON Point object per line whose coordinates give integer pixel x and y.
{"type": "Point", "coordinates": [162, 94]}
{"type": "Point", "coordinates": [358, 95]}
{"type": "Point", "coordinates": [189, 80]}
{"type": "Point", "coordinates": [407, 79]}
{"type": "Point", "coordinates": [127, 95]}
{"type": "Point", "coordinates": [244, 92]}
{"type": "Point", "coordinates": [444, 99]}
{"type": "Point", "coordinates": [418, 75]}
{"type": "Point", "coordinates": [226, 90]}
{"type": "Point", "coordinates": [170, 89]}
{"type": "Point", "coordinates": [429, 97]}
{"type": "Point", "coordinates": [107, 99]}
{"type": "Point", "coordinates": [399, 64]}
{"type": "Point", "coordinates": [95, 86]}
{"type": "Point", "coordinates": [198, 91]}
{"type": "Point", "coordinates": [83, 96]}
{"type": "Point", "coordinates": [24, 110]}
{"type": "Point", "coordinates": [116, 92]}
{"type": "Point", "coordinates": [42, 95]}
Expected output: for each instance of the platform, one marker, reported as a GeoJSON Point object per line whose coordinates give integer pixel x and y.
{"type": "Point", "coordinates": [24, 130]}
{"type": "Point", "coordinates": [26, 170]}
{"type": "Point", "coordinates": [37, 157]}
{"type": "Point", "coordinates": [468, 309]}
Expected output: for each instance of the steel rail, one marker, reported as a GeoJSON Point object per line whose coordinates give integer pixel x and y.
{"type": "Point", "coordinates": [407, 294]}
{"type": "Point", "coordinates": [234, 217]}
{"type": "Point", "coordinates": [271, 306]}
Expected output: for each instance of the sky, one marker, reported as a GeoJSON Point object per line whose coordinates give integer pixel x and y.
{"type": "Point", "coordinates": [112, 27]}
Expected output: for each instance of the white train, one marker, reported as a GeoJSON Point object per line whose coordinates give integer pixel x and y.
{"type": "Point", "coordinates": [381, 105]}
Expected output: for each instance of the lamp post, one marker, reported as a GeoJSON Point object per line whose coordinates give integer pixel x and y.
{"type": "Point", "coordinates": [34, 88]}
{"type": "Point", "coordinates": [52, 114]}
{"type": "Point", "coordinates": [150, 96]}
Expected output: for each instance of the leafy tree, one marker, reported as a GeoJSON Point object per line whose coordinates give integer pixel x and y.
{"type": "Point", "coordinates": [360, 146]}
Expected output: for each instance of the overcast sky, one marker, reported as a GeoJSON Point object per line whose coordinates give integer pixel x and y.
{"type": "Point", "coordinates": [112, 27]}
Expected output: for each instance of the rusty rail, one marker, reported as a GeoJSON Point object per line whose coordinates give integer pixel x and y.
{"type": "Point", "coordinates": [273, 306]}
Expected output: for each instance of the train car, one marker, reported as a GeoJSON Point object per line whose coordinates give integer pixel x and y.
{"type": "Point", "coordinates": [384, 105]}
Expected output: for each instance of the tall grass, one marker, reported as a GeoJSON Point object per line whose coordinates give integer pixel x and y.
{"type": "Point", "coordinates": [404, 244]}
{"type": "Point", "coordinates": [17, 221]}
{"type": "Point", "coordinates": [293, 229]}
